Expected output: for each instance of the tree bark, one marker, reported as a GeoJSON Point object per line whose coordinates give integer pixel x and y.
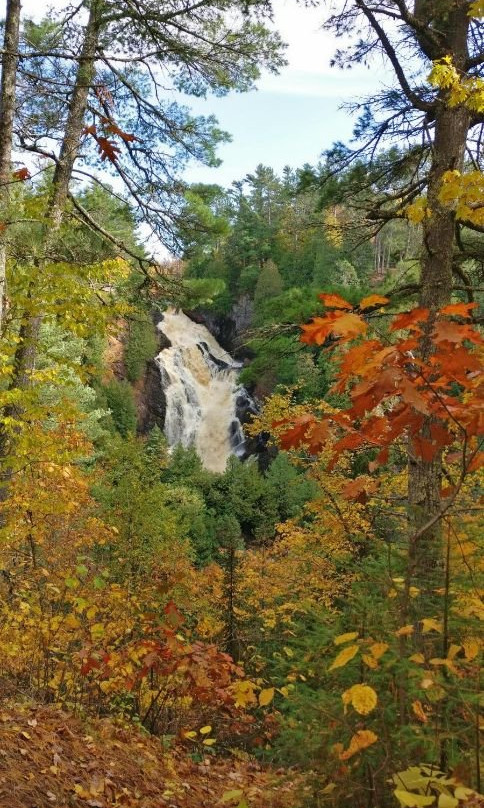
{"type": "Point", "coordinates": [29, 330]}
{"type": "Point", "coordinates": [7, 116]}
{"type": "Point", "coordinates": [450, 138]}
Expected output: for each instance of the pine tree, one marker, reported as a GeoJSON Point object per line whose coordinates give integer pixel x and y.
{"type": "Point", "coordinates": [269, 283]}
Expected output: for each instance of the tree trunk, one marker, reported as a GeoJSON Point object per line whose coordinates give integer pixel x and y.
{"type": "Point", "coordinates": [424, 485]}
{"type": "Point", "coordinates": [7, 115]}
{"type": "Point", "coordinates": [29, 330]}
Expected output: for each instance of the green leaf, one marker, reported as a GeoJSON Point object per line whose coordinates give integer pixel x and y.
{"type": "Point", "coordinates": [234, 794]}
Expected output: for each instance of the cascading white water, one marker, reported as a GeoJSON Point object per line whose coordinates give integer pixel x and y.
{"type": "Point", "coordinates": [200, 384]}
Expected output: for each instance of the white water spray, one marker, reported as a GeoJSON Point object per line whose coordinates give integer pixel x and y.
{"type": "Point", "coordinates": [200, 384]}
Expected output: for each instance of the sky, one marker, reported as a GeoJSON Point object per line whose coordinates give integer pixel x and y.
{"type": "Point", "coordinates": [291, 118]}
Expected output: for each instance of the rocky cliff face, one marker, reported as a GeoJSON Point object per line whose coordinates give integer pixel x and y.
{"type": "Point", "coordinates": [149, 394]}
{"type": "Point", "coordinates": [228, 329]}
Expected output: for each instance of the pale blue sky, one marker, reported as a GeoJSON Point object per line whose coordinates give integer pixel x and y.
{"type": "Point", "coordinates": [275, 129]}
{"type": "Point", "coordinates": [291, 118]}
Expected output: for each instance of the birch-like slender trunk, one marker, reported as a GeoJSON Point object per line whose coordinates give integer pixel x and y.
{"type": "Point", "coordinates": [7, 116]}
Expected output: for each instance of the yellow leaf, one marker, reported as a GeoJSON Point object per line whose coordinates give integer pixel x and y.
{"type": "Point", "coordinates": [344, 656]}
{"type": "Point", "coordinates": [461, 792]}
{"type": "Point", "coordinates": [191, 734]}
{"type": "Point", "coordinates": [97, 631]}
{"type": "Point", "coordinates": [418, 658]}
{"type": "Point", "coordinates": [471, 649]}
{"type": "Point", "coordinates": [342, 638]}
{"type": "Point", "coordinates": [447, 801]}
{"type": "Point", "coordinates": [205, 730]}
{"type": "Point", "coordinates": [362, 697]}
{"type": "Point", "coordinates": [370, 661]}
{"type": "Point", "coordinates": [419, 711]}
{"type": "Point", "coordinates": [413, 800]}
{"type": "Point", "coordinates": [359, 741]}
{"type": "Point", "coordinates": [209, 741]}
{"type": "Point", "coordinates": [404, 631]}
{"type": "Point", "coordinates": [71, 621]}
{"type": "Point", "coordinates": [266, 696]}
{"type": "Point", "coordinates": [476, 9]}
{"type": "Point", "coordinates": [82, 792]}
{"type": "Point", "coordinates": [429, 624]}
{"type": "Point", "coordinates": [378, 649]}
{"type": "Point", "coordinates": [453, 651]}
{"type": "Point", "coordinates": [417, 211]}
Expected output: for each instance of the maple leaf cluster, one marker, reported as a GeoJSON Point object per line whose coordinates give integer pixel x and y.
{"type": "Point", "coordinates": [393, 391]}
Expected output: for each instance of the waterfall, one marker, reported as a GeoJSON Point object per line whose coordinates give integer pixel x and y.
{"type": "Point", "coordinates": [200, 382]}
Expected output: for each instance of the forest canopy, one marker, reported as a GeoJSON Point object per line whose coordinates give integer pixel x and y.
{"type": "Point", "coordinates": [298, 624]}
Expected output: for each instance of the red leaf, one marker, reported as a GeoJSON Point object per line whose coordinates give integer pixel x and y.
{"type": "Point", "coordinates": [359, 489]}
{"type": "Point", "coordinates": [358, 355]}
{"type": "Point", "coordinates": [114, 129]}
{"type": "Point", "coordinates": [108, 149]}
{"type": "Point", "coordinates": [22, 174]}
{"type": "Point", "coordinates": [173, 616]}
{"type": "Point", "coordinates": [459, 309]}
{"type": "Point", "coordinates": [441, 435]}
{"type": "Point", "coordinates": [409, 318]}
{"type": "Point", "coordinates": [373, 300]}
{"type": "Point", "coordinates": [318, 437]}
{"type": "Point", "coordinates": [411, 395]}
{"type": "Point", "coordinates": [351, 441]}
{"type": "Point", "coordinates": [335, 301]}
{"type": "Point", "coordinates": [89, 664]}
{"type": "Point", "coordinates": [296, 435]}
{"type": "Point", "coordinates": [425, 448]}
{"type": "Point", "coordinates": [90, 130]}
{"type": "Point", "coordinates": [476, 462]}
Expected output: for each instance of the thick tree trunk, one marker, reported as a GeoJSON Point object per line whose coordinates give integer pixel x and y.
{"type": "Point", "coordinates": [448, 153]}
{"type": "Point", "coordinates": [29, 330]}
{"type": "Point", "coordinates": [451, 129]}
{"type": "Point", "coordinates": [7, 115]}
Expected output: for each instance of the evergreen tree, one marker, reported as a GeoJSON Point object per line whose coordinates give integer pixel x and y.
{"type": "Point", "coordinates": [269, 283]}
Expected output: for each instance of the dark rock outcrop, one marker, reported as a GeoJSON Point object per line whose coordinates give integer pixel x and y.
{"type": "Point", "coordinates": [149, 394]}
{"type": "Point", "coordinates": [150, 399]}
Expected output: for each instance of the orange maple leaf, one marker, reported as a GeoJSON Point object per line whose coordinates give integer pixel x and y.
{"type": "Point", "coordinates": [332, 301]}
{"type": "Point", "coordinates": [410, 318]}
{"type": "Point", "coordinates": [359, 489]}
{"type": "Point", "coordinates": [344, 325]}
{"type": "Point", "coordinates": [373, 300]}
{"type": "Point", "coordinates": [454, 333]}
{"type": "Point", "coordinates": [459, 309]}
